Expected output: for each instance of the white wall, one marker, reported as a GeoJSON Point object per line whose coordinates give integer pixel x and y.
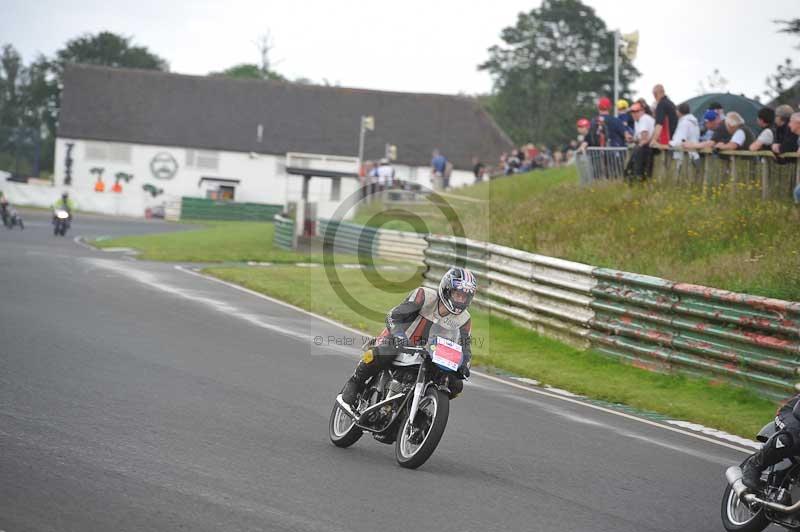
{"type": "Point", "coordinates": [262, 177]}
{"type": "Point", "coordinates": [422, 175]}
{"type": "Point", "coordinates": [133, 204]}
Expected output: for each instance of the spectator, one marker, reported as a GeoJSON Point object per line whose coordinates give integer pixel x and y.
{"type": "Point", "coordinates": [438, 169]}
{"type": "Point", "coordinates": [711, 120]}
{"type": "Point", "coordinates": [605, 130]}
{"type": "Point", "coordinates": [794, 128]}
{"type": "Point", "coordinates": [448, 172]}
{"type": "Point", "coordinates": [385, 173]}
{"type": "Point", "coordinates": [645, 106]}
{"type": "Point", "coordinates": [687, 131]}
{"type": "Point", "coordinates": [785, 140]}
{"type": "Point", "coordinates": [666, 118]}
{"type": "Point", "coordinates": [740, 135]}
{"type": "Point", "coordinates": [641, 157]}
{"type": "Point", "coordinates": [766, 120]}
{"type": "Point", "coordinates": [624, 116]}
{"type": "Point", "coordinates": [715, 129]}
{"type": "Point", "coordinates": [513, 162]}
{"type": "Point", "coordinates": [478, 169]}
{"type": "Point", "coordinates": [583, 125]}
{"type": "Point", "coordinates": [717, 107]}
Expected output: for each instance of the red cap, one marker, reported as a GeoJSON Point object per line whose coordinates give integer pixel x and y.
{"type": "Point", "coordinates": [604, 104]}
{"type": "Point", "coordinates": [583, 122]}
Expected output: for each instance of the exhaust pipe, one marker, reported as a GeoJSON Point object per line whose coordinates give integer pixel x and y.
{"type": "Point", "coordinates": [346, 408]}
{"type": "Point", "coordinates": [734, 477]}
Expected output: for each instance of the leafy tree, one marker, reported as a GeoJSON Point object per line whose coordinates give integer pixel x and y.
{"type": "Point", "coordinates": [248, 71]}
{"type": "Point", "coordinates": [251, 70]}
{"type": "Point", "coordinates": [11, 72]}
{"type": "Point", "coordinates": [31, 96]}
{"type": "Point", "coordinates": [783, 84]}
{"type": "Point", "coordinates": [555, 61]}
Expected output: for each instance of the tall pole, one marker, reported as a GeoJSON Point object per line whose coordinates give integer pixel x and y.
{"type": "Point", "coordinates": [616, 70]}
{"type": "Point", "coordinates": [361, 146]}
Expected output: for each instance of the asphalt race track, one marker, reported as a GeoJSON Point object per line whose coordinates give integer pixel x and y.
{"type": "Point", "coordinates": [137, 396]}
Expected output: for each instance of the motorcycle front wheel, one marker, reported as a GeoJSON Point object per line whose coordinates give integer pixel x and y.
{"type": "Point", "coordinates": [341, 429]}
{"type": "Point", "coordinates": [416, 443]}
{"type": "Point", "coordinates": [738, 517]}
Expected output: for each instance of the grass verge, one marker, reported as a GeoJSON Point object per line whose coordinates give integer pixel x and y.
{"type": "Point", "coordinates": [214, 242]}
{"type": "Point", "coordinates": [501, 345]}
{"type": "Point", "coordinates": [714, 236]}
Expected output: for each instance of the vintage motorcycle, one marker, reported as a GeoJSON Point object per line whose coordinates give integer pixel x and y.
{"type": "Point", "coordinates": [744, 511]}
{"type": "Point", "coordinates": [407, 404]}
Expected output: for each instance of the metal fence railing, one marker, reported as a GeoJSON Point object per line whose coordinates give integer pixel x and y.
{"type": "Point", "coordinates": [775, 176]}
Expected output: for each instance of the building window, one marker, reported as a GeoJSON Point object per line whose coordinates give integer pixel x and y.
{"type": "Point", "coordinates": [108, 151]}
{"type": "Point", "coordinates": [205, 160]}
{"type": "Point", "coordinates": [221, 193]}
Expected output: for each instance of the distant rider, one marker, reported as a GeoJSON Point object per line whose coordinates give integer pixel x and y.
{"type": "Point", "coordinates": [409, 324]}
{"type": "Point", "coordinates": [783, 444]}
{"type": "Point", "coordinates": [4, 208]}
{"type": "Point", "coordinates": [65, 204]}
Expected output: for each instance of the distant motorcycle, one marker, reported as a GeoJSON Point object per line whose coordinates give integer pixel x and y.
{"type": "Point", "coordinates": [744, 511]}
{"type": "Point", "coordinates": [407, 404]}
{"type": "Point", "coordinates": [61, 221]}
{"type": "Point", "coordinates": [13, 219]}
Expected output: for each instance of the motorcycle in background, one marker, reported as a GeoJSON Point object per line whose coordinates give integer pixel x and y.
{"type": "Point", "coordinates": [61, 221]}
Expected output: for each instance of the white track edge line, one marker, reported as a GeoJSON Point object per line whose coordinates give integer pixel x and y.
{"type": "Point", "coordinates": [476, 373]}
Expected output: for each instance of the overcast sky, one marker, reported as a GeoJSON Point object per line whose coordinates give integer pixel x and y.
{"type": "Point", "coordinates": [430, 46]}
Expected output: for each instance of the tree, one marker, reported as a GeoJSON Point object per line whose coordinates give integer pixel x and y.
{"type": "Point", "coordinates": [251, 70]}
{"type": "Point", "coordinates": [714, 82]}
{"type": "Point", "coordinates": [248, 71]}
{"type": "Point", "coordinates": [553, 65]}
{"type": "Point", "coordinates": [11, 71]}
{"type": "Point", "coordinates": [782, 86]}
{"type": "Point", "coordinates": [39, 84]}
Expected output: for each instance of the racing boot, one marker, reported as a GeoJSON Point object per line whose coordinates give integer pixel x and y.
{"type": "Point", "coordinates": [751, 471]}
{"type": "Point", "coordinates": [366, 368]}
{"type": "Point", "coordinates": [778, 447]}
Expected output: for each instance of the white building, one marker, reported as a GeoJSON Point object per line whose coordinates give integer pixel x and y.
{"type": "Point", "coordinates": [158, 136]}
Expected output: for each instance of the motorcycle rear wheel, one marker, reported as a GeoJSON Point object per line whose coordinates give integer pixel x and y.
{"type": "Point", "coordinates": [737, 517]}
{"type": "Point", "coordinates": [414, 445]}
{"type": "Point", "coordinates": [341, 429]}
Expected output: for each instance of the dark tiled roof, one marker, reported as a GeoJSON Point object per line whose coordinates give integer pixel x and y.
{"type": "Point", "coordinates": [150, 107]}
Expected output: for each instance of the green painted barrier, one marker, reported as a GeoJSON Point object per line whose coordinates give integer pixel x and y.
{"type": "Point", "coordinates": [206, 209]}
{"type": "Point", "coordinates": [284, 233]}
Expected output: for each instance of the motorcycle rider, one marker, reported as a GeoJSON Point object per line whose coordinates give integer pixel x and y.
{"type": "Point", "coordinates": [64, 203]}
{"type": "Point", "coordinates": [4, 208]}
{"type": "Point", "coordinates": [409, 323]}
{"type": "Point", "coordinates": [781, 445]}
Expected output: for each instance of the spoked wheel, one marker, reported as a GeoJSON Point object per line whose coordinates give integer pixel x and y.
{"type": "Point", "coordinates": [737, 516]}
{"type": "Point", "coordinates": [416, 443]}
{"type": "Point", "coordinates": [342, 429]}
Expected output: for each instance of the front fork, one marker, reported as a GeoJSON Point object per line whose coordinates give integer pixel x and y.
{"type": "Point", "coordinates": [419, 388]}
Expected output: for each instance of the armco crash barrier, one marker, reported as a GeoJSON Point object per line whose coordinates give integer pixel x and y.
{"type": "Point", "coordinates": [649, 322]}
{"type": "Point", "coordinates": [284, 236]}
{"type": "Point", "coordinates": [552, 296]}
{"type": "Point", "coordinates": [364, 241]}
{"type": "Point", "coordinates": [684, 328]}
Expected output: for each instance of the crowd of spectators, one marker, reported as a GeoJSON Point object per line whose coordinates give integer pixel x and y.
{"type": "Point", "coordinates": [665, 125]}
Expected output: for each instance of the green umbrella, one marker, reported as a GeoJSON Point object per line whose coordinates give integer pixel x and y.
{"type": "Point", "coordinates": [730, 102]}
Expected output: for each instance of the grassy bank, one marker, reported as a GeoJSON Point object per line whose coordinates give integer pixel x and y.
{"type": "Point", "coordinates": [213, 242]}
{"type": "Point", "coordinates": [501, 345]}
{"type": "Point", "coordinates": [711, 237]}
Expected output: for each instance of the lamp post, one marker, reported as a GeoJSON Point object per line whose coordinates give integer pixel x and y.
{"type": "Point", "coordinates": [367, 124]}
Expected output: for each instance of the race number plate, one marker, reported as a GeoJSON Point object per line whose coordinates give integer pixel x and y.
{"type": "Point", "coordinates": [447, 354]}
